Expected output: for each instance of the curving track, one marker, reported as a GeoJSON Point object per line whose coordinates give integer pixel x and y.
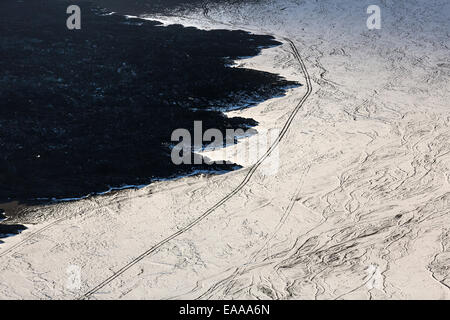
{"type": "Point", "coordinates": [207, 213]}
{"type": "Point", "coordinates": [244, 182]}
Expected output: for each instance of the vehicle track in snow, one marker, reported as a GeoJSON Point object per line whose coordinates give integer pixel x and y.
{"type": "Point", "coordinates": [244, 182]}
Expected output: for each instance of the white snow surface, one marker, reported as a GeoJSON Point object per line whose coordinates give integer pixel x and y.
{"type": "Point", "coordinates": [358, 209]}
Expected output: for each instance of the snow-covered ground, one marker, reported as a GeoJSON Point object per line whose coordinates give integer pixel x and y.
{"type": "Point", "coordinates": [360, 204]}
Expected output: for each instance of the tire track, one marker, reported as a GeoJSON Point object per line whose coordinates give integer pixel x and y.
{"type": "Point", "coordinates": [244, 182]}
{"type": "Point", "coordinates": [31, 236]}
{"type": "Point", "coordinates": [231, 280]}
